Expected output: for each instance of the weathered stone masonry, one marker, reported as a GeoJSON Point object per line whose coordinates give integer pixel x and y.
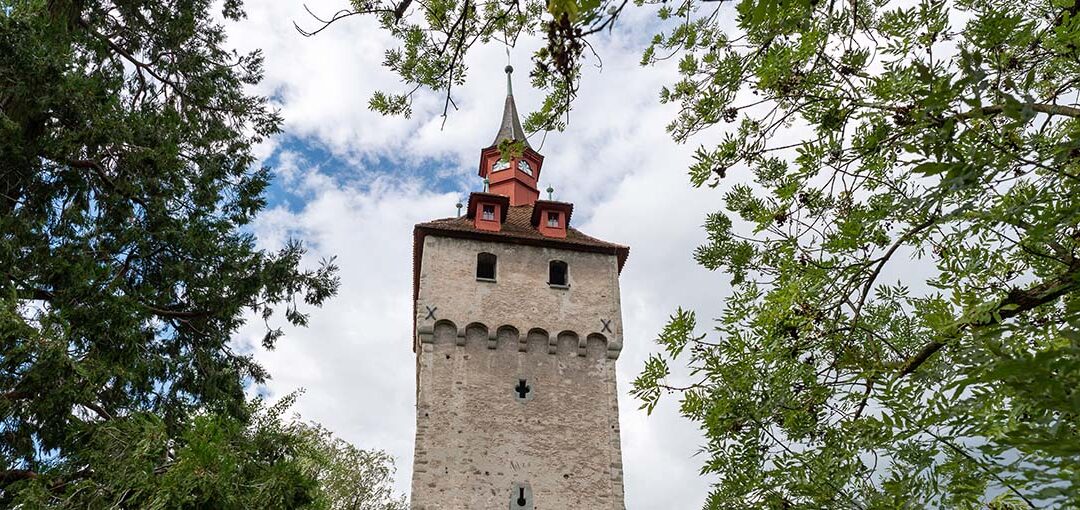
{"type": "Point", "coordinates": [516, 404]}
{"type": "Point", "coordinates": [475, 438]}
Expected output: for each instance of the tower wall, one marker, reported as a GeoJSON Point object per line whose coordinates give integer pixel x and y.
{"type": "Point", "coordinates": [478, 442]}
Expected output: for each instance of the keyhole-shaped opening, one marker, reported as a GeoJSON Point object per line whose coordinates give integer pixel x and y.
{"type": "Point", "coordinates": [522, 389]}
{"type": "Point", "coordinates": [521, 497]}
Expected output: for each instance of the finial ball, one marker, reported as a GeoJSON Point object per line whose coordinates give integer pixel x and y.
{"type": "Point", "coordinates": [509, 69]}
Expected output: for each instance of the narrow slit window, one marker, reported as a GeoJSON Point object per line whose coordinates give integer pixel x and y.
{"type": "Point", "coordinates": [489, 212]}
{"type": "Point", "coordinates": [557, 273]}
{"type": "Point", "coordinates": [553, 219]}
{"type": "Point", "coordinates": [485, 266]}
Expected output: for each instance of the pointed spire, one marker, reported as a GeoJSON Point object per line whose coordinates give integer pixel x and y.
{"type": "Point", "coordinates": [510, 127]}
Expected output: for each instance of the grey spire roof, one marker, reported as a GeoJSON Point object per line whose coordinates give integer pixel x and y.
{"type": "Point", "coordinates": [510, 127]}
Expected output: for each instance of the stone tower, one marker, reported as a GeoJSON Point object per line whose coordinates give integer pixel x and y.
{"type": "Point", "coordinates": [518, 326]}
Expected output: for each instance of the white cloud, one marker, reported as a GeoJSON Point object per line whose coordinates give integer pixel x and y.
{"type": "Point", "coordinates": [616, 163]}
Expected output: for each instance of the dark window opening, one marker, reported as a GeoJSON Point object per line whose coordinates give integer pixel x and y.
{"type": "Point", "coordinates": [521, 497]}
{"type": "Point", "coordinates": [522, 389]}
{"type": "Point", "coordinates": [553, 219]}
{"type": "Point", "coordinates": [557, 273]}
{"type": "Point", "coordinates": [489, 213]}
{"type": "Point", "coordinates": [485, 266]}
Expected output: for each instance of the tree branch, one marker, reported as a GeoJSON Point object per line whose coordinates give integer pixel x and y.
{"type": "Point", "coordinates": [15, 475]}
{"type": "Point", "coordinates": [98, 410]}
{"type": "Point", "coordinates": [16, 395]}
{"type": "Point", "coordinates": [1049, 109]}
{"type": "Point", "coordinates": [175, 314]}
{"type": "Point", "coordinates": [99, 170]}
{"type": "Point", "coordinates": [398, 12]}
{"type": "Point", "coordinates": [1016, 302]}
{"type": "Point", "coordinates": [885, 258]}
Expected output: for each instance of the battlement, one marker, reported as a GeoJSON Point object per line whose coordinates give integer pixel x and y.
{"type": "Point", "coordinates": [505, 337]}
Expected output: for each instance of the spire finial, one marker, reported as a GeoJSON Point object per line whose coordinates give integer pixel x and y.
{"type": "Point", "coordinates": [486, 182]}
{"type": "Point", "coordinates": [509, 86]}
{"type": "Point", "coordinates": [459, 206]}
{"type": "Point", "coordinates": [550, 190]}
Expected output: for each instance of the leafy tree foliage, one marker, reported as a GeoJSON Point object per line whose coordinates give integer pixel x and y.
{"type": "Point", "coordinates": [127, 182]}
{"type": "Point", "coordinates": [942, 133]}
{"type": "Point", "coordinates": [349, 478]}
{"type": "Point", "coordinates": [901, 237]}
{"type": "Point", "coordinates": [435, 41]}
{"type": "Point", "coordinates": [218, 462]}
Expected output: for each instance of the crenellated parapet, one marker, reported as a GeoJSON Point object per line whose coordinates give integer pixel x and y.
{"type": "Point", "coordinates": [506, 337]}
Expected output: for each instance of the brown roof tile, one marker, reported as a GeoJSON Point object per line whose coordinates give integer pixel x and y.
{"type": "Point", "coordinates": [518, 228]}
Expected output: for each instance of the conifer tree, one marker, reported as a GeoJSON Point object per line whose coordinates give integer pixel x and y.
{"type": "Point", "coordinates": [127, 187]}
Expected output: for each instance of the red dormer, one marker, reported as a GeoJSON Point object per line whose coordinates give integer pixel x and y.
{"type": "Point", "coordinates": [488, 210]}
{"type": "Point", "coordinates": [552, 218]}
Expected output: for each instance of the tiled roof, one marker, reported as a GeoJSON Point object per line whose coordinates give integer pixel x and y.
{"type": "Point", "coordinates": [518, 228]}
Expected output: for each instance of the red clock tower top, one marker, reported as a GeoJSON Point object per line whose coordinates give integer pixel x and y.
{"type": "Point", "coordinates": [514, 175]}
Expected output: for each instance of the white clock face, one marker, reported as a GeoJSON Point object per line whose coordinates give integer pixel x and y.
{"type": "Point", "coordinates": [499, 164]}
{"type": "Point", "coordinates": [524, 166]}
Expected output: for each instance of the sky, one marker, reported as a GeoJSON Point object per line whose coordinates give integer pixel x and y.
{"type": "Point", "coordinates": [352, 183]}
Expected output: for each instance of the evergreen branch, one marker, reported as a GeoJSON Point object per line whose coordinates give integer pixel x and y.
{"type": "Point", "coordinates": [98, 410]}
{"type": "Point", "coordinates": [148, 67]}
{"type": "Point", "coordinates": [99, 170]}
{"type": "Point", "coordinates": [175, 314]}
{"type": "Point", "coordinates": [16, 395]}
{"type": "Point", "coordinates": [10, 476]}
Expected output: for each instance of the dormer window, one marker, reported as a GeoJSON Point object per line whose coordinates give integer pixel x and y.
{"type": "Point", "coordinates": [524, 167]}
{"type": "Point", "coordinates": [553, 219]}
{"type": "Point", "coordinates": [487, 211]}
{"type": "Point", "coordinates": [500, 164]}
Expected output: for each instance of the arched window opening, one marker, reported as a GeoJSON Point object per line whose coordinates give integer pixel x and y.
{"type": "Point", "coordinates": [485, 266]}
{"type": "Point", "coordinates": [524, 167]}
{"type": "Point", "coordinates": [557, 274]}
